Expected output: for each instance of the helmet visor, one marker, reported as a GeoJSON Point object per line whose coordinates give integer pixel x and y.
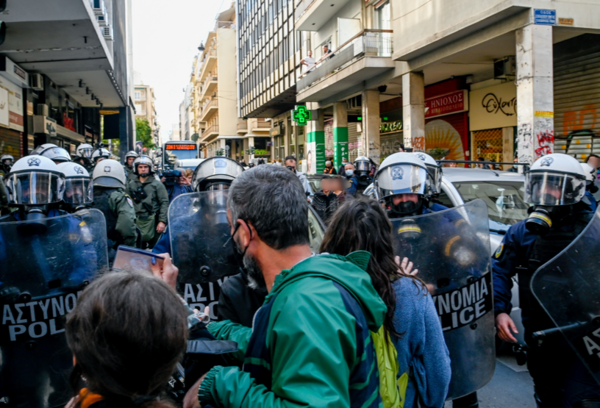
{"type": "Point", "coordinates": [553, 189]}
{"type": "Point", "coordinates": [436, 175]}
{"type": "Point", "coordinates": [402, 179]}
{"type": "Point", "coordinates": [78, 191]}
{"type": "Point", "coordinates": [363, 165]}
{"type": "Point", "coordinates": [85, 152]}
{"type": "Point", "coordinates": [35, 188]}
{"type": "Point", "coordinates": [57, 154]}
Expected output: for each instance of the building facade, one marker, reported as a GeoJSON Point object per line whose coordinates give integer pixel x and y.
{"type": "Point", "coordinates": [450, 86]}
{"type": "Point", "coordinates": [145, 106]}
{"type": "Point", "coordinates": [53, 93]}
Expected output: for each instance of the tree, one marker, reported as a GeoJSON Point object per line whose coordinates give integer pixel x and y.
{"type": "Point", "coordinates": [143, 132]}
{"type": "Point", "coordinates": [195, 137]}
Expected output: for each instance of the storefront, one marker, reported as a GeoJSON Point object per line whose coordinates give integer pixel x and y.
{"type": "Point", "coordinates": [446, 121]}
{"type": "Point", "coordinates": [12, 123]}
{"type": "Point", "coordinates": [493, 120]}
{"type": "Point", "coordinates": [391, 132]}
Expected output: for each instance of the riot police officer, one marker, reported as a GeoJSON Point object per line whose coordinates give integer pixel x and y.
{"type": "Point", "coordinates": [47, 258]}
{"type": "Point", "coordinates": [6, 163]}
{"type": "Point", "coordinates": [407, 183]}
{"type": "Point", "coordinates": [53, 152]}
{"type": "Point", "coordinates": [98, 155]}
{"type": "Point", "coordinates": [151, 201]}
{"type": "Point", "coordinates": [362, 166]}
{"type": "Point", "coordinates": [84, 156]}
{"type": "Point", "coordinates": [555, 186]}
{"type": "Point", "coordinates": [129, 158]}
{"type": "Point", "coordinates": [590, 185]}
{"type": "Point", "coordinates": [116, 205]}
{"type": "Point", "coordinates": [78, 187]}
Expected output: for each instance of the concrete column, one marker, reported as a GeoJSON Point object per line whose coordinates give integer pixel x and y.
{"type": "Point", "coordinates": [371, 124]}
{"type": "Point", "coordinates": [508, 146]}
{"type": "Point", "coordinates": [413, 110]}
{"type": "Point", "coordinates": [535, 93]}
{"type": "Point", "coordinates": [250, 142]}
{"type": "Point", "coordinates": [315, 141]}
{"type": "Point", "coordinates": [340, 133]}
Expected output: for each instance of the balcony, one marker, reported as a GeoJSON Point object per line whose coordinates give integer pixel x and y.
{"type": "Point", "coordinates": [210, 133]}
{"type": "Point", "coordinates": [363, 56]}
{"type": "Point", "coordinates": [259, 126]}
{"type": "Point", "coordinates": [242, 127]}
{"type": "Point", "coordinates": [209, 86]}
{"type": "Point", "coordinates": [311, 15]}
{"type": "Point", "coordinates": [208, 109]}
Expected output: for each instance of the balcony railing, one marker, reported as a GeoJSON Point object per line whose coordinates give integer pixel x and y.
{"type": "Point", "coordinates": [301, 7]}
{"type": "Point", "coordinates": [367, 43]}
{"type": "Point", "coordinates": [262, 124]}
{"type": "Point", "coordinates": [214, 103]}
{"type": "Point", "coordinates": [224, 24]}
{"type": "Point", "coordinates": [242, 127]}
{"type": "Point", "coordinates": [210, 130]}
{"type": "Point", "coordinates": [207, 83]}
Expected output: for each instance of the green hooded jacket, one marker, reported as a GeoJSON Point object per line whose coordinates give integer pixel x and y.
{"type": "Point", "coordinates": [310, 345]}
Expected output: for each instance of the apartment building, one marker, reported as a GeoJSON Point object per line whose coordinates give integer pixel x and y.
{"type": "Point", "coordinates": [64, 73]}
{"type": "Point", "coordinates": [145, 106]}
{"type": "Point", "coordinates": [404, 73]}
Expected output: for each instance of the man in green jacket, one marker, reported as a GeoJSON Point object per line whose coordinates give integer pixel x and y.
{"type": "Point", "coordinates": [310, 345]}
{"type": "Point", "coordinates": [151, 201]}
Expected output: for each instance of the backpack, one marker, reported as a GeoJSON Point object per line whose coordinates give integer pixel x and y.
{"type": "Point", "coordinates": [391, 387]}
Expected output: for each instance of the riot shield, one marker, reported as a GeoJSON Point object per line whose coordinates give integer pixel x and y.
{"type": "Point", "coordinates": [451, 250]}
{"type": "Point", "coordinates": [44, 265]}
{"type": "Point", "coordinates": [201, 246]}
{"type": "Point", "coordinates": [568, 288]}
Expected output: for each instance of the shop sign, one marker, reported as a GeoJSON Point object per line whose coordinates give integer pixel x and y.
{"type": "Point", "coordinates": [494, 107]}
{"type": "Point", "coordinates": [4, 115]}
{"type": "Point", "coordinates": [14, 73]}
{"type": "Point", "coordinates": [390, 127]}
{"type": "Point", "coordinates": [15, 105]}
{"type": "Point", "coordinates": [447, 104]}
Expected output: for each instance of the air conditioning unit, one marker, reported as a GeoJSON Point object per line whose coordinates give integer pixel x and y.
{"type": "Point", "coordinates": [107, 32]}
{"type": "Point", "coordinates": [36, 82]}
{"type": "Point", "coordinates": [102, 20]}
{"type": "Point", "coordinates": [98, 7]}
{"type": "Point", "coordinates": [505, 68]}
{"type": "Point", "coordinates": [42, 109]}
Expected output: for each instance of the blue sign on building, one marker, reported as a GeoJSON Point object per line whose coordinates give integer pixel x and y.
{"type": "Point", "coordinates": [544, 16]}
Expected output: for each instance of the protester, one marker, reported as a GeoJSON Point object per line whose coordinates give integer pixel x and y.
{"type": "Point", "coordinates": [325, 202]}
{"type": "Point", "coordinates": [411, 319]}
{"type": "Point", "coordinates": [291, 163]}
{"type": "Point", "coordinates": [315, 353]}
{"type": "Point", "coordinates": [121, 359]}
{"type": "Point", "coordinates": [182, 186]}
{"type": "Point", "coordinates": [343, 166]}
{"type": "Point", "coordinates": [329, 169]}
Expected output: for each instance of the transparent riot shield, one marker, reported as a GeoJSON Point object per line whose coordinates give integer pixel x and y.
{"type": "Point", "coordinates": [568, 288]}
{"type": "Point", "coordinates": [44, 266]}
{"type": "Point", "coordinates": [451, 250]}
{"type": "Point", "coordinates": [201, 246]}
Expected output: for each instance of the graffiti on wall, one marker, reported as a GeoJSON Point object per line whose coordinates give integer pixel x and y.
{"type": "Point", "coordinates": [525, 143]}
{"type": "Point", "coordinates": [586, 118]}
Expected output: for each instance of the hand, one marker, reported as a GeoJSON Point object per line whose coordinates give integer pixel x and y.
{"type": "Point", "coordinates": [405, 266]}
{"type": "Point", "coordinates": [505, 325]}
{"type": "Point", "coordinates": [160, 228]}
{"type": "Point", "coordinates": [168, 273]}
{"type": "Point", "coordinates": [191, 397]}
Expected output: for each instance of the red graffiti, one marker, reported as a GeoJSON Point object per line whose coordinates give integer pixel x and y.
{"type": "Point", "coordinates": [545, 142]}
{"type": "Point", "coordinates": [587, 118]}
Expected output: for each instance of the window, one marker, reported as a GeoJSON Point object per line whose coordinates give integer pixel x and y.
{"type": "Point", "coordinates": [138, 96]}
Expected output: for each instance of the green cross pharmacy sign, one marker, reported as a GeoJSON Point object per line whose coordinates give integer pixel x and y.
{"type": "Point", "coordinates": [301, 115]}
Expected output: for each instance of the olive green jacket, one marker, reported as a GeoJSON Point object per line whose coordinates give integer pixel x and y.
{"type": "Point", "coordinates": [122, 205]}
{"type": "Point", "coordinates": [131, 176]}
{"type": "Point", "coordinates": [156, 201]}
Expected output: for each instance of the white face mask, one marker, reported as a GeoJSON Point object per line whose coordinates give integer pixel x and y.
{"type": "Point", "coordinates": [349, 173]}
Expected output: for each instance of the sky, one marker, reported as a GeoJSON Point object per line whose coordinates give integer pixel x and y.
{"type": "Point", "coordinates": [166, 36]}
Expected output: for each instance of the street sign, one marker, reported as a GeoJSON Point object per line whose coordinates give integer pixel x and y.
{"type": "Point", "coordinates": [301, 115]}
{"type": "Point", "coordinates": [544, 17]}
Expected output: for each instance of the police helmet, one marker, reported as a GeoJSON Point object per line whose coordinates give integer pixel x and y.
{"type": "Point", "coordinates": [555, 180]}
{"type": "Point", "coordinates": [590, 173]}
{"type": "Point", "coordinates": [402, 173]}
{"type": "Point", "coordinates": [53, 152]}
{"type": "Point", "coordinates": [78, 184]}
{"type": "Point", "coordinates": [100, 154]}
{"type": "Point", "coordinates": [7, 162]}
{"type": "Point", "coordinates": [85, 150]}
{"type": "Point", "coordinates": [362, 164]}
{"type": "Point", "coordinates": [110, 173]}
{"type": "Point", "coordinates": [434, 169]}
{"type": "Point", "coordinates": [131, 154]}
{"type": "Point", "coordinates": [143, 160]}
{"type": "Point", "coordinates": [35, 180]}
{"type": "Point", "coordinates": [215, 173]}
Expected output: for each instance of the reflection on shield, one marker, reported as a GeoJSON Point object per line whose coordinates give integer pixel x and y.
{"type": "Point", "coordinates": [568, 288]}
{"type": "Point", "coordinates": [201, 246]}
{"type": "Point", "coordinates": [44, 267]}
{"type": "Point", "coordinates": [451, 250]}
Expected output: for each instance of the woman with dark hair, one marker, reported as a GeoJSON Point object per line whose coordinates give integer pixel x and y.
{"type": "Point", "coordinates": [411, 319]}
{"type": "Point", "coordinates": [127, 333]}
